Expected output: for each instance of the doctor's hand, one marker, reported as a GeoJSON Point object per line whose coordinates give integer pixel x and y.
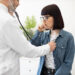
{"type": "Point", "coordinates": [52, 46]}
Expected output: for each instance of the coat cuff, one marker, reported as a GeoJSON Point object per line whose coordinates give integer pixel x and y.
{"type": "Point", "coordinates": [46, 49]}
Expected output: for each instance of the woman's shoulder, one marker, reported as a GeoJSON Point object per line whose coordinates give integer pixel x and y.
{"type": "Point", "coordinates": [68, 34]}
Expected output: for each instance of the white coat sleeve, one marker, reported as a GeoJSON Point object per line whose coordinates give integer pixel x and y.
{"type": "Point", "coordinates": [16, 40]}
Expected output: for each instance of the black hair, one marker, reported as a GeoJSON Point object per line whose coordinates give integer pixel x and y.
{"type": "Point", "coordinates": [54, 11]}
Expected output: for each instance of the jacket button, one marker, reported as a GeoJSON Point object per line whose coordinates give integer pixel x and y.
{"type": "Point", "coordinates": [62, 47]}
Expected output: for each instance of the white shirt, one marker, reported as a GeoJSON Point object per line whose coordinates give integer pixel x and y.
{"type": "Point", "coordinates": [49, 61]}
{"type": "Point", "coordinates": [13, 44]}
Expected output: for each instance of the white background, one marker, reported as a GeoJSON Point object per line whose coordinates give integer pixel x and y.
{"type": "Point", "coordinates": [33, 7]}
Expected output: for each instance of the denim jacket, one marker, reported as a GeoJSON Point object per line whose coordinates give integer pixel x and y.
{"type": "Point", "coordinates": [63, 54]}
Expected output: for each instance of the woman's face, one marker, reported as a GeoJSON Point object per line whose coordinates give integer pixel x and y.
{"type": "Point", "coordinates": [48, 22]}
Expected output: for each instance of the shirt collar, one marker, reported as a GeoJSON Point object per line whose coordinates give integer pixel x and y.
{"type": "Point", "coordinates": [4, 7]}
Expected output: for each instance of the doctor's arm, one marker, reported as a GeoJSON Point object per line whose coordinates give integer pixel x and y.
{"type": "Point", "coordinates": [16, 40]}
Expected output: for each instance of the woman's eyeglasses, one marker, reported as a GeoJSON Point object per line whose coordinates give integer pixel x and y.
{"type": "Point", "coordinates": [44, 17]}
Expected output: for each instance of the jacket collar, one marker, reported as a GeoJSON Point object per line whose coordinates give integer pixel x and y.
{"type": "Point", "coordinates": [61, 33]}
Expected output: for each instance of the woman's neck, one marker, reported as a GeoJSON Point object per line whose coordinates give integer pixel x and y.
{"type": "Point", "coordinates": [55, 31]}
